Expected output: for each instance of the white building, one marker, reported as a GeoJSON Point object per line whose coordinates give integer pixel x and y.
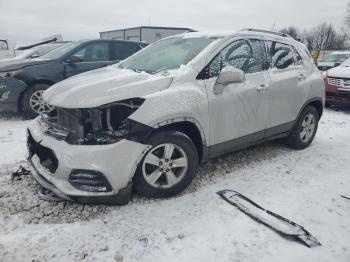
{"type": "Point", "coordinates": [147, 34]}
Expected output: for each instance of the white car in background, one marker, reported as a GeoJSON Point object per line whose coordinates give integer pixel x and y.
{"type": "Point", "coordinates": [149, 121]}
{"type": "Point", "coordinates": [332, 59]}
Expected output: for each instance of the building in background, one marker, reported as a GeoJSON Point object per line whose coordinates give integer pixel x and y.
{"type": "Point", "coordinates": [147, 34]}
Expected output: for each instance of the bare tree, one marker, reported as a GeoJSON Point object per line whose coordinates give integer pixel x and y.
{"type": "Point", "coordinates": [292, 31]}
{"type": "Point", "coordinates": [347, 17]}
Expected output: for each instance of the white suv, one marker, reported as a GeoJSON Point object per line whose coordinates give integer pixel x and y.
{"type": "Point", "coordinates": [149, 121]}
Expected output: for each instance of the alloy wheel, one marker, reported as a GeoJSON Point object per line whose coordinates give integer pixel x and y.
{"type": "Point", "coordinates": [165, 165]}
{"type": "Point", "coordinates": [307, 128]}
{"type": "Point", "coordinates": [37, 104]}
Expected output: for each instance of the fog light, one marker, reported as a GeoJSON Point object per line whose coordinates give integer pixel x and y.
{"type": "Point", "coordinates": [89, 180]}
{"type": "Point", "coordinates": [5, 95]}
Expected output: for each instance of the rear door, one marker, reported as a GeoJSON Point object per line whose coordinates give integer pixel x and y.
{"type": "Point", "coordinates": [288, 84]}
{"type": "Point", "coordinates": [93, 55]}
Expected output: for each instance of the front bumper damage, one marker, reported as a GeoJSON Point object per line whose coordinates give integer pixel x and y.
{"type": "Point", "coordinates": [52, 162]}
{"type": "Point", "coordinates": [10, 91]}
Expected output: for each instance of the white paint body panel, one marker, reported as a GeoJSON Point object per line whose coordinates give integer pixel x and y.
{"type": "Point", "coordinates": [242, 109]}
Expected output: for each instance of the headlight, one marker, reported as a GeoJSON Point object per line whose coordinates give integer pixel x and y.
{"type": "Point", "coordinates": [9, 74]}
{"type": "Point", "coordinates": [109, 123]}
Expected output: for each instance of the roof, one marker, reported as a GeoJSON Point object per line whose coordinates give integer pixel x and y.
{"type": "Point", "coordinates": [151, 27]}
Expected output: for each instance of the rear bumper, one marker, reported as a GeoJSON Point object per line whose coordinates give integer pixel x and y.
{"type": "Point", "coordinates": [52, 162]}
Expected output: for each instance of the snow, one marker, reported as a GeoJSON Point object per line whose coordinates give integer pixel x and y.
{"type": "Point", "coordinates": [304, 186]}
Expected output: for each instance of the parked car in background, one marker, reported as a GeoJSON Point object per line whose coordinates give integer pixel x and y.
{"type": "Point", "coordinates": [147, 122]}
{"type": "Point", "coordinates": [34, 52]}
{"type": "Point", "coordinates": [337, 81]}
{"type": "Point", "coordinates": [332, 59]}
{"type": "Point", "coordinates": [6, 49]}
{"type": "Point", "coordinates": [22, 82]}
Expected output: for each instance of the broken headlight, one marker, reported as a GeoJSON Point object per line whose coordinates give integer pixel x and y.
{"type": "Point", "coordinates": [109, 123]}
{"type": "Point", "coordinates": [9, 73]}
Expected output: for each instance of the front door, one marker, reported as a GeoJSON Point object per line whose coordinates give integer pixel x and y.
{"type": "Point", "coordinates": [92, 56]}
{"type": "Point", "coordinates": [238, 116]}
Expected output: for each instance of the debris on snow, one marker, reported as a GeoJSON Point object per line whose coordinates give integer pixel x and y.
{"type": "Point", "coordinates": [274, 221]}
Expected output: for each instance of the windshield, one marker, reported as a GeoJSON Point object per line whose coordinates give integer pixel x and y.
{"type": "Point", "coordinates": [166, 54]}
{"type": "Point", "coordinates": [60, 51]}
{"type": "Point", "coordinates": [335, 57]}
{"type": "Point", "coordinates": [346, 63]}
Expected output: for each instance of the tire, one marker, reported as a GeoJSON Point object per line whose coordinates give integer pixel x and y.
{"type": "Point", "coordinates": [166, 185]}
{"type": "Point", "coordinates": [305, 129]}
{"type": "Point", "coordinates": [33, 95]}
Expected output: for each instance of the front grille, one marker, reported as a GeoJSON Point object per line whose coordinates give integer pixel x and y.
{"type": "Point", "coordinates": [340, 82]}
{"type": "Point", "coordinates": [338, 94]}
{"type": "Point", "coordinates": [46, 155]}
{"type": "Point", "coordinates": [67, 124]}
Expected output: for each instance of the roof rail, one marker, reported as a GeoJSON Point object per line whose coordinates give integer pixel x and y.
{"type": "Point", "coordinates": [266, 31]}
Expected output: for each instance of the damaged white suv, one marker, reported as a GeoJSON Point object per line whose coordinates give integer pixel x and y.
{"type": "Point", "coordinates": [149, 121]}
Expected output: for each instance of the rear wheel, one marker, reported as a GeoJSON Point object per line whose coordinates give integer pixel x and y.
{"type": "Point", "coordinates": [33, 103]}
{"type": "Point", "coordinates": [168, 167]}
{"type": "Point", "coordinates": [305, 129]}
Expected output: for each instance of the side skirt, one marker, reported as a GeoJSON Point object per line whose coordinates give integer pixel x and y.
{"type": "Point", "coordinates": [251, 139]}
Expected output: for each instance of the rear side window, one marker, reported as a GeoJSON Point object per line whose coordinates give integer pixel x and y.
{"type": "Point", "coordinates": [248, 56]}
{"type": "Point", "coordinates": [282, 55]}
{"type": "Point", "coordinates": [124, 50]}
{"type": "Point", "coordinates": [94, 52]}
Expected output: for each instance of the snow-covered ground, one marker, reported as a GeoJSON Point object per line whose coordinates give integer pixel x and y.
{"type": "Point", "coordinates": [304, 186]}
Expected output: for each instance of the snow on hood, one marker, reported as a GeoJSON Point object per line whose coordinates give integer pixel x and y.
{"type": "Point", "coordinates": [103, 86]}
{"type": "Point", "coordinates": [339, 71]}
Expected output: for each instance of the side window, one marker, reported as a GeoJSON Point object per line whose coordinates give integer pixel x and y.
{"type": "Point", "coordinates": [283, 55]}
{"type": "Point", "coordinates": [123, 50]}
{"type": "Point", "coordinates": [248, 56]}
{"type": "Point", "coordinates": [94, 52]}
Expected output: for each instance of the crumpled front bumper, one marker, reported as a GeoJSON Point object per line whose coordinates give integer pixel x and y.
{"type": "Point", "coordinates": [117, 162]}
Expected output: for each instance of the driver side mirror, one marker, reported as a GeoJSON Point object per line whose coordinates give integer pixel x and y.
{"type": "Point", "coordinates": [74, 59]}
{"type": "Point", "coordinates": [228, 75]}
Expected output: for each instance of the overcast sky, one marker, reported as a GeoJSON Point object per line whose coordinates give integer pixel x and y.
{"type": "Point", "coordinates": [30, 21]}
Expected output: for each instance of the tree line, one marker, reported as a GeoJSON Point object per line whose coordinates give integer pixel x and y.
{"type": "Point", "coordinates": [323, 36]}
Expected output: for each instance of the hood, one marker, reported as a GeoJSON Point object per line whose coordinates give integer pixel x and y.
{"type": "Point", "coordinates": [339, 72]}
{"type": "Point", "coordinates": [103, 86]}
{"type": "Point", "coordinates": [15, 64]}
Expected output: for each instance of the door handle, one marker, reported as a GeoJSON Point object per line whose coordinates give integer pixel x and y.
{"type": "Point", "coordinates": [262, 88]}
{"type": "Point", "coordinates": [302, 76]}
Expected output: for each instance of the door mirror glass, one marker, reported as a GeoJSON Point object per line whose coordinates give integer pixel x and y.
{"type": "Point", "coordinates": [74, 59]}
{"type": "Point", "coordinates": [228, 75]}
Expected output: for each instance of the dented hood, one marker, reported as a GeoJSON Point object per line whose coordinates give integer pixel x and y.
{"type": "Point", "coordinates": [103, 86]}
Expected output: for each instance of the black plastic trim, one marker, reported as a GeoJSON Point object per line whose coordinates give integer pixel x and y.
{"type": "Point", "coordinates": [251, 139]}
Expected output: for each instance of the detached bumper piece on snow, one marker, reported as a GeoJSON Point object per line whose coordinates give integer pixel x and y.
{"type": "Point", "coordinates": [276, 222]}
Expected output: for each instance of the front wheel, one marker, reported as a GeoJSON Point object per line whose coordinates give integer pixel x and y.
{"type": "Point", "coordinates": [33, 103]}
{"type": "Point", "coordinates": [305, 129]}
{"type": "Point", "coordinates": [168, 167]}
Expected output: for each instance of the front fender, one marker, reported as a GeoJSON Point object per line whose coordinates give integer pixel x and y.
{"type": "Point", "coordinates": [181, 103]}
